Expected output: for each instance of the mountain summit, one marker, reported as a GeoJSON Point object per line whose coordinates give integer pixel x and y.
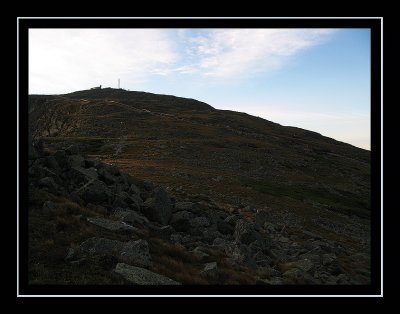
{"type": "Point", "coordinates": [164, 185]}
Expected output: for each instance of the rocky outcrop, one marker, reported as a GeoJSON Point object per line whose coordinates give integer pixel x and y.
{"type": "Point", "coordinates": [116, 208]}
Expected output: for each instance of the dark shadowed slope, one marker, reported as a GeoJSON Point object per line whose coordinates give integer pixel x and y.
{"type": "Point", "coordinates": [226, 161]}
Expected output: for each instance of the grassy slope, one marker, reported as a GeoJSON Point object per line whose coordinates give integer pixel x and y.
{"type": "Point", "coordinates": [231, 157]}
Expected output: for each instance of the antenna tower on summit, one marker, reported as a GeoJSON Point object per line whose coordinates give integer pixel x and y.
{"type": "Point", "coordinates": [118, 84]}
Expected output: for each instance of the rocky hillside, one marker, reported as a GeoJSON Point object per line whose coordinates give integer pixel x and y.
{"type": "Point", "coordinates": [137, 188]}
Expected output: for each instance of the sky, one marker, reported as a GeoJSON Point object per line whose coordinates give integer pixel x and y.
{"type": "Point", "coordinates": [316, 79]}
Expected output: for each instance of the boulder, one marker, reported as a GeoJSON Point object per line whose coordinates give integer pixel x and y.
{"type": "Point", "coordinates": [328, 258]}
{"type": "Point", "coordinates": [158, 208]}
{"type": "Point", "coordinates": [96, 192]}
{"type": "Point", "coordinates": [181, 224]}
{"type": "Point", "coordinates": [131, 217]}
{"type": "Point", "coordinates": [111, 225]}
{"type": "Point", "coordinates": [210, 270]}
{"type": "Point", "coordinates": [225, 228]}
{"type": "Point", "coordinates": [141, 276]}
{"type": "Point", "coordinates": [273, 281]}
{"type": "Point", "coordinates": [164, 232]}
{"type": "Point", "coordinates": [106, 176]}
{"type": "Point", "coordinates": [210, 235]}
{"type": "Point", "coordinates": [262, 259]}
{"type": "Point", "coordinates": [120, 202]}
{"type": "Point", "coordinates": [76, 161]}
{"type": "Point", "coordinates": [183, 206]}
{"type": "Point", "coordinates": [135, 202]}
{"type": "Point", "coordinates": [32, 153]}
{"type": "Point", "coordinates": [136, 252]}
{"type": "Point", "coordinates": [216, 215]}
{"type": "Point", "coordinates": [181, 221]}
{"type": "Point", "coordinates": [52, 164]}
{"type": "Point", "coordinates": [305, 265]}
{"type": "Point", "coordinates": [261, 217]}
{"type": "Point", "coordinates": [199, 222]}
{"type": "Point", "coordinates": [131, 252]}
{"type": "Point", "coordinates": [241, 254]}
{"type": "Point", "coordinates": [97, 208]}
{"type": "Point", "coordinates": [232, 220]}
{"type": "Point", "coordinates": [199, 253]}
{"type": "Point", "coordinates": [50, 206]}
{"type": "Point", "coordinates": [72, 150]}
{"type": "Point", "coordinates": [88, 173]}
{"type": "Point", "coordinates": [133, 189]}
{"type": "Point", "coordinates": [49, 183]}
{"type": "Point", "coordinates": [244, 232]}
{"type": "Point", "coordinates": [61, 158]}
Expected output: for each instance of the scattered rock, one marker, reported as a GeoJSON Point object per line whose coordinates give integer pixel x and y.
{"type": "Point", "coordinates": [141, 276]}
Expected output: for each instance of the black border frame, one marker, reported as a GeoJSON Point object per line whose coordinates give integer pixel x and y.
{"type": "Point", "coordinates": [374, 24]}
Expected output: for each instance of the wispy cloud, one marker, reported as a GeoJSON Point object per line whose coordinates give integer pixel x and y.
{"type": "Point", "coordinates": [228, 52]}
{"type": "Point", "coordinates": [62, 60]}
{"type": "Point", "coordinates": [70, 59]}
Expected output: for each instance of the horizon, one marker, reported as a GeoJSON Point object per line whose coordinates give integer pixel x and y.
{"type": "Point", "coordinates": [314, 79]}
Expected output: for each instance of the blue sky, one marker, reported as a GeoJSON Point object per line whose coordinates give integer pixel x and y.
{"type": "Point", "coordinates": [317, 79]}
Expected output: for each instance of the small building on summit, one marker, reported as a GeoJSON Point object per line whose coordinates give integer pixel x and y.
{"type": "Point", "coordinates": [97, 87]}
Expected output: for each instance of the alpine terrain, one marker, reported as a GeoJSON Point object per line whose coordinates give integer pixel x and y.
{"type": "Point", "coordinates": [137, 188]}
